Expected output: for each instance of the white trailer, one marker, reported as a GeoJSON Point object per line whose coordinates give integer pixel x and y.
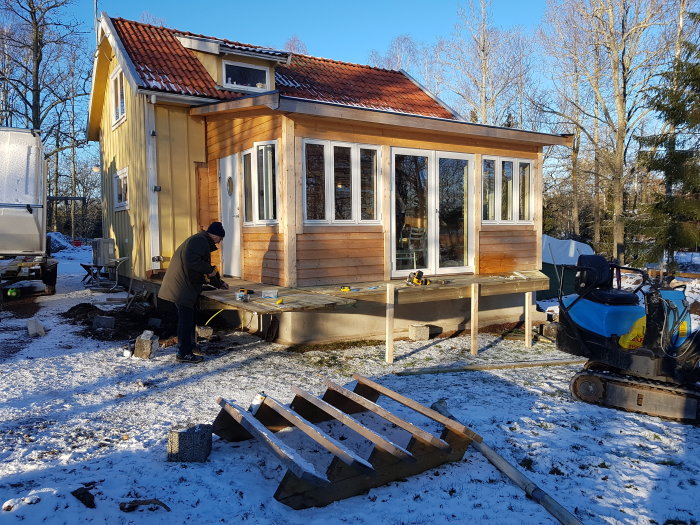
{"type": "Point", "coordinates": [23, 244]}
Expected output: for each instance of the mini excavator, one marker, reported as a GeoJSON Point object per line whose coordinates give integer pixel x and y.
{"type": "Point", "coordinates": [642, 353]}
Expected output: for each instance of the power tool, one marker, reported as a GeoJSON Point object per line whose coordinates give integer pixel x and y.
{"type": "Point", "coordinates": [417, 279]}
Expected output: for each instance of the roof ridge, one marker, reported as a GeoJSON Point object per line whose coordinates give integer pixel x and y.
{"type": "Point", "coordinates": [344, 62]}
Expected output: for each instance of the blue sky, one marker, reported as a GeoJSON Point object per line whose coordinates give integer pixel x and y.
{"type": "Point", "coordinates": [341, 30]}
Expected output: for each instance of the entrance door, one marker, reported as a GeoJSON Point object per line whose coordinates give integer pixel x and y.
{"type": "Point", "coordinates": [433, 193]}
{"type": "Point", "coordinates": [230, 216]}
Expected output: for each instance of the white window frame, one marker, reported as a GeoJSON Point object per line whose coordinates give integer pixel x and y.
{"type": "Point", "coordinates": [122, 174]}
{"type": "Point", "coordinates": [118, 99]}
{"type": "Point", "coordinates": [238, 87]}
{"type": "Point", "coordinates": [254, 185]}
{"type": "Point", "coordinates": [516, 190]}
{"type": "Point", "coordinates": [356, 178]}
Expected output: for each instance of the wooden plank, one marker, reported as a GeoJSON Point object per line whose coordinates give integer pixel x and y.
{"type": "Point", "coordinates": [332, 263]}
{"type": "Point", "coordinates": [295, 463]}
{"type": "Point", "coordinates": [289, 201]}
{"type": "Point", "coordinates": [350, 273]}
{"type": "Point", "coordinates": [390, 301]}
{"type": "Point", "coordinates": [474, 319]}
{"type": "Point", "coordinates": [334, 235]}
{"type": "Point", "coordinates": [336, 229]}
{"type": "Point", "coordinates": [418, 433]}
{"type": "Point", "coordinates": [528, 319]}
{"type": "Point", "coordinates": [451, 425]}
{"type": "Point", "coordinates": [336, 448]}
{"type": "Point", "coordinates": [496, 229]}
{"type": "Point", "coordinates": [381, 442]}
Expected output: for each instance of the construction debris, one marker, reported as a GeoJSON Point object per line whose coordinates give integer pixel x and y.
{"type": "Point", "coordinates": [146, 345]}
{"type": "Point", "coordinates": [348, 474]}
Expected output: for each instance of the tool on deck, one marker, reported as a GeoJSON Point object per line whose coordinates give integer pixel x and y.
{"type": "Point", "coordinates": [417, 279]}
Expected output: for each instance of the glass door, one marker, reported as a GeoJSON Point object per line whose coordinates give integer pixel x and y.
{"type": "Point", "coordinates": [432, 192]}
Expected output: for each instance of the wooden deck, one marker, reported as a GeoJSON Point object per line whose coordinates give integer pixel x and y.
{"type": "Point", "coordinates": [316, 297]}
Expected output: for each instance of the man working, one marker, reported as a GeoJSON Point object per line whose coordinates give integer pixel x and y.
{"type": "Point", "coordinates": [183, 283]}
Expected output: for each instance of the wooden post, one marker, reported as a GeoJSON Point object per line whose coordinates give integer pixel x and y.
{"type": "Point", "coordinates": [475, 318]}
{"type": "Point", "coordinates": [390, 301]}
{"type": "Point", "coordinates": [528, 319]}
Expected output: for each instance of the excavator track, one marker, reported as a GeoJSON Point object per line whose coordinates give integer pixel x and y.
{"type": "Point", "coordinates": [635, 394]}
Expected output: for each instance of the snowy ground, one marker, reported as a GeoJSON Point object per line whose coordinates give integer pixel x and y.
{"type": "Point", "coordinates": [75, 413]}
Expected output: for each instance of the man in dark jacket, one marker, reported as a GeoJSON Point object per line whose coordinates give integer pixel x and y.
{"type": "Point", "coordinates": [183, 283]}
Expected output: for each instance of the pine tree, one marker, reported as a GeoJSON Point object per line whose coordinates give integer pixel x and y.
{"type": "Point", "coordinates": [675, 153]}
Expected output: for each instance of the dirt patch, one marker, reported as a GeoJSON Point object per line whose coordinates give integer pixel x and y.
{"type": "Point", "coordinates": [127, 324]}
{"type": "Point", "coordinates": [23, 308]}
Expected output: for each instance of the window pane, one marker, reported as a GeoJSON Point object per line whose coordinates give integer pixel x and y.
{"type": "Point", "coordinates": [525, 212]}
{"type": "Point", "coordinates": [452, 195]}
{"type": "Point", "coordinates": [315, 182]}
{"type": "Point", "coordinates": [368, 184]}
{"type": "Point", "coordinates": [266, 183]}
{"type": "Point", "coordinates": [506, 190]}
{"type": "Point", "coordinates": [342, 182]}
{"type": "Point", "coordinates": [247, 188]}
{"type": "Point", "coordinates": [245, 76]}
{"type": "Point", "coordinates": [488, 191]}
{"type": "Point", "coordinates": [411, 179]}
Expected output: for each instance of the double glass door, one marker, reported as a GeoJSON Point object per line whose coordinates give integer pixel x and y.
{"type": "Point", "coordinates": [432, 202]}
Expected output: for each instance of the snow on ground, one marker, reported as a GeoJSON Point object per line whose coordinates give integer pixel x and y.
{"type": "Point", "coordinates": [76, 413]}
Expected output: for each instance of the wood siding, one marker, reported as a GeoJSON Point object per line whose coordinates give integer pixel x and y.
{"type": "Point", "coordinates": [507, 248]}
{"type": "Point", "coordinates": [263, 255]}
{"type": "Point", "coordinates": [226, 135]}
{"type": "Point", "coordinates": [208, 209]}
{"type": "Point", "coordinates": [333, 255]}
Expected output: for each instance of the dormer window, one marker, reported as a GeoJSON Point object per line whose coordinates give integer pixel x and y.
{"type": "Point", "coordinates": [246, 77]}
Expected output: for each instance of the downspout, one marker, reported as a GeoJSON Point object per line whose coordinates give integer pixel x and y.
{"type": "Point", "coordinates": [153, 188]}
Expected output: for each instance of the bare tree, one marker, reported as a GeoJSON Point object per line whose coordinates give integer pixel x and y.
{"type": "Point", "coordinates": [294, 44]}
{"type": "Point", "coordinates": [400, 55]}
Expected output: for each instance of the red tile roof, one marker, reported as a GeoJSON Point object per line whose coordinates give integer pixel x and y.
{"type": "Point", "coordinates": [165, 65]}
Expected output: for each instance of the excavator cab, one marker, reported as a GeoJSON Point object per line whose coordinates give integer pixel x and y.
{"type": "Point", "coordinates": [642, 354]}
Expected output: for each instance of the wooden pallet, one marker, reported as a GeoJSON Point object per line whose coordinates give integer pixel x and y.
{"type": "Point", "coordinates": [348, 474]}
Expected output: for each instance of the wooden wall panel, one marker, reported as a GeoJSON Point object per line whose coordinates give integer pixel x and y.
{"type": "Point", "coordinates": [263, 256]}
{"type": "Point", "coordinates": [503, 249]}
{"type": "Point", "coordinates": [233, 135]}
{"type": "Point", "coordinates": [332, 256]}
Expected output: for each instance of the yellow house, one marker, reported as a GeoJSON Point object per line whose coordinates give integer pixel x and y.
{"type": "Point", "coordinates": [322, 172]}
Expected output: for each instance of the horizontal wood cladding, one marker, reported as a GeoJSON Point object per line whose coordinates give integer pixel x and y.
{"type": "Point", "coordinates": [504, 249]}
{"type": "Point", "coordinates": [228, 136]}
{"type": "Point", "coordinates": [335, 129]}
{"type": "Point", "coordinates": [330, 256]}
{"type": "Point", "coordinates": [263, 256]}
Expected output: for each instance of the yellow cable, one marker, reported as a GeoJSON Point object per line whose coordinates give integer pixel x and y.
{"type": "Point", "coordinates": [212, 317]}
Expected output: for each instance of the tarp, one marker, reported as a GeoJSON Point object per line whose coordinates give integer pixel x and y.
{"type": "Point", "coordinates": [556, 251]}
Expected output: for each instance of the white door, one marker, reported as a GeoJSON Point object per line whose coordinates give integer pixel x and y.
{"type": "Point", "coordinates": [230, 216]}
{"type": "Point", "coordinates": [432, 205]}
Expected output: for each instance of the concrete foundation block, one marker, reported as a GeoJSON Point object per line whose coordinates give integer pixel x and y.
{"type": "Point", "coordinates": [419, 332]}
{"type": "Point", "coordinates": [35, 328]}
{"type": "Point", "coordinates": [103, 321]}
{"type": "Point", "coordinates": [189, 443]}
{"type": "Point", "coordinates": [205, 332]}
{"type": "Point", "coordinates": [146, 345]}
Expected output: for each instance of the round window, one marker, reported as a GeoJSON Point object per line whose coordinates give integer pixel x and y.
{"type": "Point", "coordinates": [229, 186]}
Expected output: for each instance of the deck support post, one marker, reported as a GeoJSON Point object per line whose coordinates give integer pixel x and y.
{"type": "Point", "coordinates": [528, 319]}
{"type": "Point", "coordinates": [474, 319]}
{"type": "Point", "coordinates": [390, 302]}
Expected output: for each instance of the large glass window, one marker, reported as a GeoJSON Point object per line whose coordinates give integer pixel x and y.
{"type": "Point", "coordinates": [368, 184]}
{"type": "Point", "coordinates": [260, 184]}
{"type": "Point", "coordinates": [506, 190]}
{"type": "Point", "coordinates": [315, 181]}
{"type": "Point", "coordinates": [340, 183]}
{"type": "Point", "coordinates": [525, 213]}
{"type": "Point", "coordinates": [488, 192]}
